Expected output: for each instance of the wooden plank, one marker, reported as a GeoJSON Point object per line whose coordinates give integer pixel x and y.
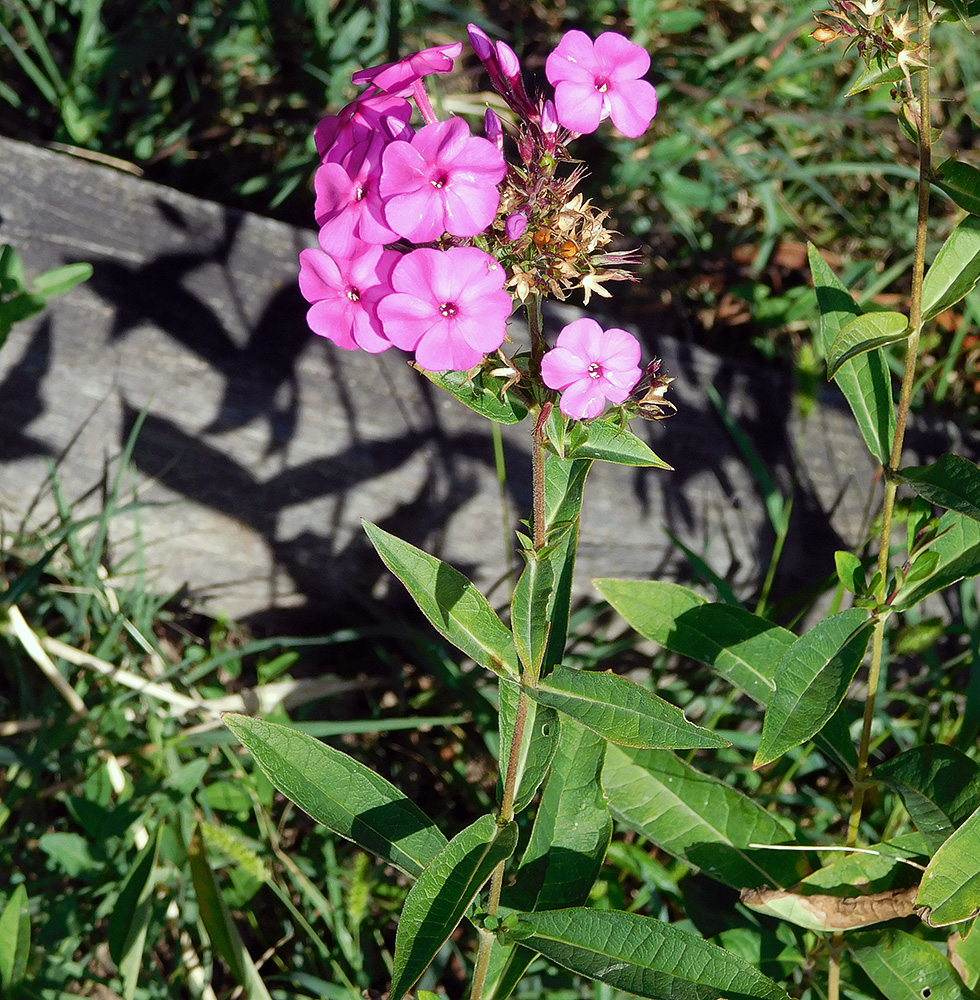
{"type": "Point", "coordinates": [273, 443]}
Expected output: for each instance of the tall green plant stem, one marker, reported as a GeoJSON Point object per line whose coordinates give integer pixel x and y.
{"type": "Point", "coordinates": [905, 397]}
{"type": "Point", "coordinates": [539, 530]}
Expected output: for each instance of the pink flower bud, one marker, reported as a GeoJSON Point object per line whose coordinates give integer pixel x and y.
{"type": "Point", "coordinates": [510, 65]}
{"type": "Point", "coordinates": [549, 118]}
{"type": "Point", "coordinates": [515, 225]}
{"type": "Point", "coordinates": [493, 130]}
{"type": "Point", "coordinates": [480, 41]}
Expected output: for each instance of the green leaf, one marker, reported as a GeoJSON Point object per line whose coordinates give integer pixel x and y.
{"type": "Point", "coordinates": [15, 938]}
{"type": "Point", "coordinates": [740, 646]}
{"type": "Point", "coordinates": [958, 547]}
{"type": "Point", "coordinates": [811, 680]}
{"type": "Point", "coordinates": [874, 868]}
{"type": "Point", "coordinates": [951, 482]}
{"type": "Point", "coordinates": [642, 955]}
{"type": "Point", "coordinates": [864, 380]}
{"type": "Point", "coordinates": [481, 392]}
{"type": "Point", "coordinates": [878, 74]}
{"type": "Point", "coordinates": [59, 280]}
{"type": "Point", "coordinates": [341, 793]}
{"type": "Point", "coordinates": [130, 917]}
{"type": "Point", "coordinates": [539, 742]}
{"type": "Point", "coordinates": [850, 572]}
{"type": "Point", "coordinates": [442, 895]}
{"type": "Point", "coordinates": [459, 612]}
{"type": "Point", "coordinates": [12, 278]}
{"type": "Point", "coordinates": [564, 484]}
{"type": "Point", "coordinates": [950, 887]}
{"type": "Point", "coordinates": [955, 270]}
{"type": "Point", "coordinates": [702, 821]}
{"type": "Point", "coordinates": [961, 182]}
{"type": "Point", "coordinates": [571, 830]}
{"type": "Point", "coordinates": [71, 852]}
{"type": "Point", "coordinates": [865, 333]}
{"type": "Point", "coordinates": [959, 10]}
{"type": "Point", "coordinates": [940, 787]}
{"type": "Point", "coordinates": [569, 839]}
{"type": "Point", "coordinates": [217, 921]}
{"type": "Point", "coordinates": [610, 442]}
{"type": "Point", "coordinates": [529, 611]}
{"type": "Point", "coordinates": [620, 711]}
{"type": "Point", "coordinates": [904, 967]}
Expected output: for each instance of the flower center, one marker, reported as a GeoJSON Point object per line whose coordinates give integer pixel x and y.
{"type": "Point", "coordinates": [359, 193]}
{"type": "Point", "coordinates": [601, 84]}
{"type": "Point", "coordinates": [440, 180]}
{"type": "Point", "coordinates": [353, 294]}
{"type": "Point", "coordinates": [448, 309]}
{"type": "Point", "coordinates": [594, 370]}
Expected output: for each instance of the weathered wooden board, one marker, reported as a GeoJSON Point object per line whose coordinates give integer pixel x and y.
{"type": "Point", "coordinates": [274, 444]}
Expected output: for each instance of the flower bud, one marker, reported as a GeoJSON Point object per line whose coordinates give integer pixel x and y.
{"type": "Point", "coordinates": [493, 130]}
{"type": "Point", "coordinates": [510, 65]}
{"type": "Point", "coordinates": [480, 41]}
{"type": "Point", "coordinates": [514, 225]}
{"type": "Point", "coordinates": [549, 118]}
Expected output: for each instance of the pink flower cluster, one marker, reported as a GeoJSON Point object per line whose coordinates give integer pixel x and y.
{"type": "Point", "coordinates": [405, 213]}
{"type": "Point", "coordinates": [381, 182]}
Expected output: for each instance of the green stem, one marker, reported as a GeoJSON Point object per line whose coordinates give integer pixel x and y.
{"type": "Point", "coordinates": [905, 398]}
{"type": "Point", "coordinates": [539, 531]}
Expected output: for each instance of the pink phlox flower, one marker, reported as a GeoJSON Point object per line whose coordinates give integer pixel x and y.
{"type": "Point", "coordinates": [348, 197]}
{"type": "Point", "coordinates": [600, 80]}
{"type": "Point", "coordinates": [449, 306]}
{"type": "Point", "coordinates": [443, 181]}
{"type": "Point", "coordinates": [589, 366]}
{"type": "Point", "coordinates": [344, 292]}
{"type": "Point", "coordinates": [369, 115]}
{"type": "Point", "coordinates": [400, 77]}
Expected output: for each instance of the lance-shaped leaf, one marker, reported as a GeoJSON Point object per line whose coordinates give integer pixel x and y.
{"type": "Point", "coordinates": [950, 887]}
{"type": "Point", "coordinates": [130, 917]}
{"type": "Point", "coordinates": [15, 939]}
{"type": "Point", "coordinates": [811, 680]}
{"type": "Point", "coordinates": [904, 967]}
{"type": "Point", "coordinates": [571, 830]}
{"type": "Point", "coordinates": [481, 392]}
{"type": "Point", "coordinates": [952, 482]}
{"type": "Point", "coordinates": [961, 182]}
{"type": "Point", "coordinates": [878, 74]}
{"type": "Point", "coordinates": [569, 839]}
{"type": "Point", "coordinates": [539, 741]}
{"type": "Point", "coordinates": [864, 380]}
{"type": "Point", "coordinates": [704, 822]}
{"type": "Point", "coordinates": [442, 895]}
{"type": "Point", "coordinates": [564, 483]}
{"type": "Point", "coordinates": [742, 647]}
{"type": "Point", "coordinates": [620, 711]}
{"type": "Point", "coordinates": [341, 793]}
{"type": "Point", "coordinates": [865, 333]}
{"type": "Point", "coordinates": [216, 918]}
{"type": "Point", "coordinates": [955, 270]}
{"type": "Point", "coordinates": [939, 785]}
{"type": "Point", "coordinates": [957, 544]}
{"type": "Point", "coordinates": [642, 955]}
{"type": "Point", "coordinates": [610, 442]}
{"type": "Point", "coordinates": [529, 610]}
{"type": "Point", "coordinates": [455, 607]}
